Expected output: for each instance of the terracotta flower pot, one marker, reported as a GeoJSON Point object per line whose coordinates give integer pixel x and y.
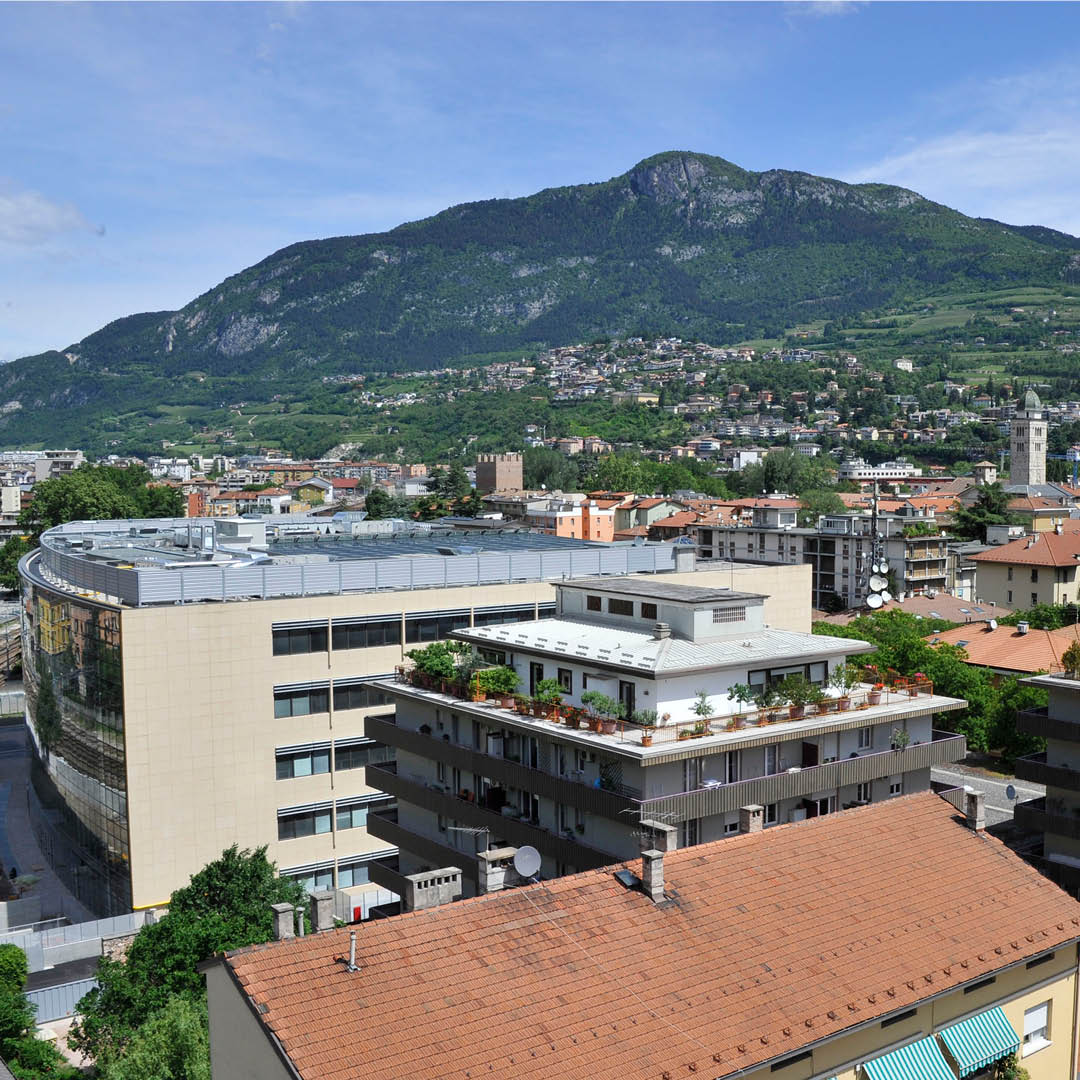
{"type": "Point", "coordinates": [646, 739]}
{"type": "Point", "coordinates": [874, 697]}
{"type": "Point", "coordinates": [795, 712]}
{"type": "Point", "coordinates": [607, 726]}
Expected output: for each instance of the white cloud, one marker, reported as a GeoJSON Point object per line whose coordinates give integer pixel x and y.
{"type": "Point", "coordinates": [29, 219]}
{"type": "Point", "coordinates": [819, 8]}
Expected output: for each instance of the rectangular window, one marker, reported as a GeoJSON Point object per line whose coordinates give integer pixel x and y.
{"type": "Point", "coordinates": [307, 762]}
{"type": "Point", "coordinates": [772, 760]}
{"type": "Point", "coordinates": [566, 679]}
{"type": "Point", "coordinates": [291, 641]}
{"type": "Point", "coordinates": [648, 611]}
{"type": "Point", "coordinates": [1034, 599]}
{"type": "Point", "coordinates": [350, 817]}
{"type": "Point", "coordinates": [1034, 574]}
{"type": "Point", "coordinates": [770, 814]}
{"type": "Point", "coordinates": [309, 821]}
{"type": "Point", "coordinates": [356, 753]}
{"type": "Point", "coordinates": [1036, 1028]}
{"type": "Point", "coordinates": [793, 1060]}
{"type": "Point", "coordinates": [358, 695]}
{"type": "Point", "coordinates": [896, 787]}
{"type": "Point", "coordinates": [862, 792]}
{"type": "Point", "coordinates": [1010, 596]}
{"type": "Point", "coordinates": [313, 699]}
{"type": "Point", "coordinates": [1009, 574]}
{"type": "Point", "coordinates": [497, 615]}
{"type": "Point", "coordinates": [617, 606]}
{"type": "Point", "coordinates": [422, 628]}
{"type": "Point", "coordinates": [536, 675]}
{"type": "Point", "coordinates": [313, 878]}
{"type": "Point", "coordinates": [866, 738]}
{"type": "Point", "coordinates": [731, 827]}
{"type": "Point", "coordinates": [593, 603]}
{"type": "Point", "coordinates": [728, 614]}
{"type": "Point", "coordinates": [366, 635]}
{"type": "Point", "coordinates": [353, 873]}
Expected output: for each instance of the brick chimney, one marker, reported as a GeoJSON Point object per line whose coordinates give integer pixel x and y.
{"type": "Point", "coordinates": [658, 836]}
{"type": "Point", "coordinates": [652, 875]}
{"type": "Point", "coordinates": [975, 809]}
{"type": "Point", "coordinates": [284, 921]}
{"type": "Point", "coordinates": [751, 818]}
{"type": "Point", "coordinates": [322, 911]}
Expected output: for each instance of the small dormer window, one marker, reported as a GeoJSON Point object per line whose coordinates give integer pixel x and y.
{"type": "Point", "coordinates": [728, 614]}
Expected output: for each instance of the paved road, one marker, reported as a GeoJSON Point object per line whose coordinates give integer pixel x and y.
{"type": "Point", "coordinates": [998, 805]}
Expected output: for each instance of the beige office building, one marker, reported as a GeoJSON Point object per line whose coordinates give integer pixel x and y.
{"type": "Point", "coordinates": [192, 685]}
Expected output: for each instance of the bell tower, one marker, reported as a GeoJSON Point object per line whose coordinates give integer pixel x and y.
{"type": "Point", "coordinates": [1027, 444]}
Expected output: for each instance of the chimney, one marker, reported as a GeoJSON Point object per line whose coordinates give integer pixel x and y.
{"type": "Point", "coordinates": [975, 809]}
{"type": "Point", "coordinates": [1059, 528]}
{"type": "Point", "coordinates": [751, 818]}
{"type": "Point", "coordinates": [652, 875]}
{"type": "Point", "coordinates": [431, 889]}
{"type": "Point", "coordinates": [661, 630]}
{"type": "Point", "coordinates": [1022, 627]}
{"type": "Point", "coordinates": [658, 836]}
{"type": "Point", "coordinates": [284, 925]}
{"type": "Point", "coordinates": [322, 911]}
{"type": "Point", "coordinates": [495, 870]}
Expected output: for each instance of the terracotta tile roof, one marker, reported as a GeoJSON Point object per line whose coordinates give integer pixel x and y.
{"type": "Point", "coordinates": [1006, 649]}
{"type": "Point", "coordinates": [771, 942]}
{"type": "Point", "coordinates": [1044, 549]}
{"type": "Point", "coordinates": [678, 520]}
{"type": "Point", "coordinates": [942, 606]}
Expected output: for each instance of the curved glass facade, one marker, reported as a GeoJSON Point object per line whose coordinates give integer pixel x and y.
{"type": "Point", "coordinates": [73, 673]}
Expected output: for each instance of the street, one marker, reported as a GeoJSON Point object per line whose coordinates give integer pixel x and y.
{"type": "Point", "coordinates": [998, 805]}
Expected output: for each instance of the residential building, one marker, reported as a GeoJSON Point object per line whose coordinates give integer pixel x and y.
{"type": "Point", "coordinates": [891, 942]}
{"type": "Point", "coordinates": [197, 683]}
{"type": "Point", "coordinates": [499, 472]}
{"type": "Point", "coordinates": [471, 777]}
{"type": "Point", "coordinates": [577, 520]}
{"type": "Point", "coordinates": [1056, 816]}
{"type": "Point", "coordinates": [888, 471]}
{"type": "Point", "coordinates": [1008, 650]}
{"type": "Point", "coordinates": [1036, 569]}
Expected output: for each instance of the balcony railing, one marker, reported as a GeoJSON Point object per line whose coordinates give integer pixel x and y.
{"type": "Point", "coordinates": [1037, 722]}
{"type": "Point", "coordinates": [1048, 816]}
{"type": "Point", "coordinates": [1035, 768]}
{"type": "Point", "coordinates": [386, 828]}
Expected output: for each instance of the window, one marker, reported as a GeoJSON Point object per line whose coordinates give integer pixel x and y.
{"type": "Point", "coordinates": [896, 787]}
{"type": "Point", "coordinates": [648, 611]}
{"type": "Point", "coordinates": [866, 738]}
{"type": "Point", "coordinates": [365, 635]}
{"type": "Point", "coordinates": [1009, 574]}
{"type": "Point", "coordinates": [815, 673]}
{"type": "Point", "coordinates": [1036, 1028]}
{"type": "Point", "coordinates": [772, 760]}
{"type": "Point", "coordinates": [1034, 599]}
{"type": "Point", "coordinates": [356, 753]}
{"type": "Point", "coordinates": [358, 694]}
{"type": "Point", "coordinates": [350, 816]}
{"type": "Point", "coordinates": [303, 821]}
{"type": "Point", "coordinates": [728, 614]}
{"type": "Point", "coordinates": [301, 701]}
{"type": "Point", "coordinates": [313, 878]}
{"type": "Point", "coordinates": [292, 640]}
{"type": "Point", "coordinates": [1010, 596]}
{"type": "Point", "coordinates": [496, 615]}
{"type": "Point", "coordinates": [434, 627]}
{"type": "Point", "coordinates": [770, 814]}
{"type": "Point", "coordinates": [618, 606]}
{"type": "Point", "coordinates": [302, 761]}
{"type": "Point", "coordinates": [1034, 574]}
{"type": "Point", "coordinates": [566, 679]}
{"type": "Point", "coordinates": [353, 872]}
{"type": "Point", "coordinates": [862, 792]}
{"type": "Point", "coordinates": [793, 1060]}
{"type": "Point", "coordinates": [731, 767]}
{"type": "Point", "coordinates": [593, 603]}
{"type": "Point", "coordinates": [536, 674]}
{"type": "Point", "coordinates": [731, 827]}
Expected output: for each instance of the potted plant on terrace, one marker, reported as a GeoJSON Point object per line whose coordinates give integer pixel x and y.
{"type": "Point", "coordinates": [743, 694]}
{"type": "Point", "coordinates": [768, 703]}
{"type": "Point", "coordinates": [500, 683]}
{"type": "Point", "coordinates": [647, 719]}
{"type": "Point", "coordinates": [798, 692]}
{"type": "Point", "coordinates": [875, 692]}
{"type": "Point", "coordinates": [900, 738]}
{"type": "Point", "coordinates": [548, 698]}
{"type": "Point", "coordinates": [603, 710]}
{"type": "Point", "coordinates": [844, 678]}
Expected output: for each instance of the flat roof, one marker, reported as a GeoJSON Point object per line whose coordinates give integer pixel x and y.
{"type": "Point", "coordinates": [660, 590]}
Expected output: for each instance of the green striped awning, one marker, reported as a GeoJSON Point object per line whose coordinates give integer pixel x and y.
{"type": "Point", "coordinates": [922, 1060]}
{"type": "Point", "coordinates": [980, 1040]}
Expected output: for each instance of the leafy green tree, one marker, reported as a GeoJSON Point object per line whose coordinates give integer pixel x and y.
{"type": "Point", "coordinates": [991, 507]}
{"type": "Point", "coordinates": [28, 1057]}
{"type": "Point", "coordinates": [1045, 616]}
{"type": "Point", "coordinates": [12, 968]}
{"type": "Point", "coordinates": [547, 468]}
{"type": "Point", "coordinates": [11, 552]}
{"type": "Point", "coordinates": [378, 504]}
{"type": "Point", "coordinates": [816, 503]}
{"type": "Point", "coordinates": [173, 1044]}
{"type": "Point", "coordinates": [783, 470]}
{"type": "Point", "coordinates": [225, 906]}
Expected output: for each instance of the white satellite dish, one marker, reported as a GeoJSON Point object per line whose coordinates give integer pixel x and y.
{"type": "Point", "coordinates": [886, 596]}
{"type": "Point", "coordinates": [877, 582]}
{"type": "Point", "coordinates": [883, 566]}
{"type": "Point", "coordinates": [527, 861]}
{"type": "Point", "coordinates": [874, 600]}
{"type": "Point", "coordinates": [992, 624]}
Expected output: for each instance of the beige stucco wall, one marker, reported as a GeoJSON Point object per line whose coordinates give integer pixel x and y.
{"type": "Point", "coordinates": [992, 583]}
{"type": "Point", "coordinates": [787, 589]}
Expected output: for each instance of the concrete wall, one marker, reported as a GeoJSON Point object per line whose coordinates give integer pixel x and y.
{"type": "Point", "coordinates": [240, 1047]}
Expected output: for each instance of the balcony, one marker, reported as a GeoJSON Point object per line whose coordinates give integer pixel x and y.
{"type": "Point", "coordinates": [385, 826]}
{"type": "Point", "coordinates": [1034, 767]}
{"type": "Point", "coordinates": [1048, 816]}
{"type": "Point", "coordinates": [1037, 722]}
{"type": "Point", "coordinates": [763, 790]}
{"type": "Point", "coordinates": [560, 789]}
{"type": "Point", "coordinates": [415, 790]}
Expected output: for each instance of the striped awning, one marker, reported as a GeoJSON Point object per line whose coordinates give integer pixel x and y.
{"type": "Point", "coordinates": [980, 1040]}
{"type": "Point", "coordinates": [922, 1060]}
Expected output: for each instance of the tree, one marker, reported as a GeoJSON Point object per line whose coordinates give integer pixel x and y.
{"type": "Point", "coordinates": [225, 906]}
{"type": "Point", "coordinates": [12, 968]}
{"type": "Point", "coordinates": [816, 503]}
{"type": "Point", "coordinates": [13, 549]}
{"type": "Point", "coordinates": [991, 507]}
{"type": "Point", "coordinates": [378, 504]}
{"type": "Point", "coordinates": [546, 468]}
{"type": "Point", "coordinates": [173, 1044]}
{"type": "Point", "coordinates": [28, 1057]}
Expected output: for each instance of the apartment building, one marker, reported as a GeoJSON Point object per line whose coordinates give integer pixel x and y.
{"type": "Point", "coordinates": [840, 550]}
{"type": "Point", "coordinates": [891, 942]}
{"type": "Point", "coordinates": [194, 684]}
{"type": "Point", "coordinates": [472, 777]}
{"type": "Point", "coordinates": [1037, 569]}
{"type": "Point", "coordinates": [862, 472]}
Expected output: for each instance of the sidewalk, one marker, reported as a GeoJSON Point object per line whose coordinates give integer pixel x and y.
{"type": "Point", "coordinates": [18, 846]}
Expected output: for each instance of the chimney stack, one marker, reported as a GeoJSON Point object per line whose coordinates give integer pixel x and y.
{"type": "Point", "coordinates": [1022, 627]}
{"type": "Point", "coordinates": [652, 875]}
{"type": "Point", "coordinates": [322, 911]}
{"type": "Point", "coordinates": [431, 889]}
{"type": "Point", "coordinates": [661, 630]}
{"type": "Point", "coordinates": [751, 818]}
{"type": "Point", "coordinates": [658, 836]}
{"type": "Point", "coordinates": [284, 924]}
{"type": "Point", "coordinates": [975, 809]}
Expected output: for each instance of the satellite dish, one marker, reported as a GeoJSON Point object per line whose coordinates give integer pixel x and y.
{"type": "Point", "coordinates": [1010, 792]}
{"type": "Point", "coordinates": [874, 600]}
{"type": "Point", "coordinates": [886, 596]}
{"type": "Point", "coordinates": [527, 861]}
{"type": "Point", "coordinates": [883, 566]}
{"type": "Point", "coordinates": [877, 582]}
{"type": "Point", "coordinates": [992, 624]}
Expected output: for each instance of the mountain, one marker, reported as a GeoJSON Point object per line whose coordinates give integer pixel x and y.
{"type": "Point", "coordinates": [681, 244]}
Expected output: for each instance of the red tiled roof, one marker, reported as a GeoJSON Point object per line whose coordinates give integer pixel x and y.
{"type": "Point", "coordinates": [771, 942]}
{"type": "Point", "coordinates": [1006, 649]}
{"type": "Point", "coordinates": [677, 521]}
{"type": "Point", "coordinates": [1044, 549]}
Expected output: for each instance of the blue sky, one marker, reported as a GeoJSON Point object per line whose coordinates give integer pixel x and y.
{"type": "Point", "coordinates": [147, 151]}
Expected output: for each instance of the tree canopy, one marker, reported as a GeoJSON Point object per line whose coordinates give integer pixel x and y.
{"type": "Point", "coordinates": [991, 507]}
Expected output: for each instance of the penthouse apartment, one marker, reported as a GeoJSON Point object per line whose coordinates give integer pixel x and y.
{"type": "Point", "coordinates": [472, 777]}
{"type": "Point", "coordinates": [890, 942]}
{"type": "Point", "coordinates": [192, 684]}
